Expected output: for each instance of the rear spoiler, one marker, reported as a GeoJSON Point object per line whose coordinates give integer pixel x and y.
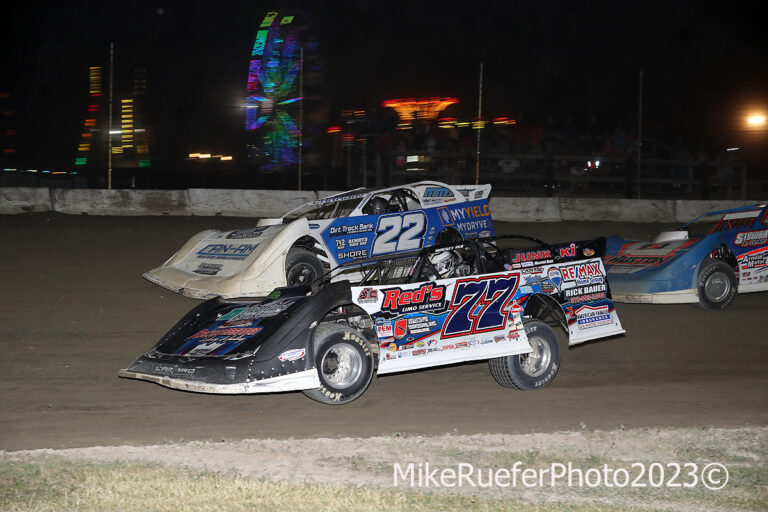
{"type": "Point", "coordinates": [474, 192]}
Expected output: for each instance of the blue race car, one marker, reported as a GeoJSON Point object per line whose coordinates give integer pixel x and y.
{"type": "Point", "coordinates": [706, 261]}
{"type": "Point", "coordinates": [321, 235]}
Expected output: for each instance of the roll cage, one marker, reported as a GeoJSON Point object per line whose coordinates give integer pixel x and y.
{"type": "Point", "coordinates": [481, 255]}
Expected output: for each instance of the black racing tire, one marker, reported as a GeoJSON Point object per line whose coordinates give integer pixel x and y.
{"type": "Point", "coordinates": [302, 267]}
{"type": "Point", "coordinates": [534, 370]}
{"type": "Point", "coordinates": [716, 285]}
{"type": "Point", "coordinates": [344, 362]}
{"type": "Point", "coordinates": [448, 236]}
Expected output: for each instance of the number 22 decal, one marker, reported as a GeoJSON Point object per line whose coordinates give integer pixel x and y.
{"type": "Point", "coordinates": [399, 232]}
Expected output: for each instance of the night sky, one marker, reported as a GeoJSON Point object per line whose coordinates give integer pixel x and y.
{"type": "Point", "coordinates": [703, 63]}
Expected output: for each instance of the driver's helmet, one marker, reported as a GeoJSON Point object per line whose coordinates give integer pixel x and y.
{"type": "Point", "coordinates": [445, 263]}
{"type": "Point", "coordinates": [378, 205]}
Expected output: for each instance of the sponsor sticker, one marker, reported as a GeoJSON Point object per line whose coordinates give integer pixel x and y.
{"type": "Point", "coordinates": [368, 295]}
{"type": "Point", "coordinates": [427, 297]}
{"type": "Point", "coordinates": [751, 238]}
{"type": "Point", "coordinates": [208, 269]}
{"type": "Point", "coordinates": [245, 233]}
{"type": "Point", "coordinates": [258, 311]}
{"type": "Point", "coordinates": [226, 251]}
{"type": "Point", "coordinates": [351, 229]}
{"type": "Point", "coordinates": [588, 317]}
{"type": "Point", "coordinates": [292, 355]}
{"type": "Point", "coordinates": [384, 330]}
{"type": "Point", "coordinates": [555, 277]}
{"type": "Point", "coordinates": [401, 328]}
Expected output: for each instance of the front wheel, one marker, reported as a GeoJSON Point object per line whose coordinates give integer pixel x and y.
{"type": "Point", "coordinates": [716, 285]}
{"type": "Point", "coordinates": [535, 369]}
{"type": "Point", "coordinates": [302, 267]}
{"type": "Point", "coordinates": [344, 363]}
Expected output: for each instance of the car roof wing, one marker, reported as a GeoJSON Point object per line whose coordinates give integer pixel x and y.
{"type": "Point", "coordinates": [729, 210]}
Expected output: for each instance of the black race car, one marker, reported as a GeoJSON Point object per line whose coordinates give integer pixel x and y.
{"type": "Point", "coordinates": [480, 299]}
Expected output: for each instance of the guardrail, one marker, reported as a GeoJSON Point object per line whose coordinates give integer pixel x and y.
{"type": "Point", "coordinates": [274, 203]}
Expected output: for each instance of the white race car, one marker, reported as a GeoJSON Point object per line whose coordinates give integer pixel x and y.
{"type": "Point", "coordinates": [300, 246]}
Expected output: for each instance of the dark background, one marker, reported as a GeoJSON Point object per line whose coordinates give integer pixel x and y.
{"type": "Point", "coordinates": [559, 63]}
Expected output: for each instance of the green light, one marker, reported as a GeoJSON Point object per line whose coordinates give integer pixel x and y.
{"type": "Point", "coordinates": [81, 161]}
{"type": "Point", "coordinates": [144, 163]}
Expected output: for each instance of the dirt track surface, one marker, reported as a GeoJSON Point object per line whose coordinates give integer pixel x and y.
{"type": "Point", "coordinates": [75, 310]}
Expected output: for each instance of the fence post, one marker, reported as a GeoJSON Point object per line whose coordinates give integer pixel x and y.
{"type": "Point", "coordinates": [744, 181]}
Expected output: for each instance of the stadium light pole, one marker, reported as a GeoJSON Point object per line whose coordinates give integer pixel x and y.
{"type": "Point", "coordinates": [301, 109]}
{"type": "Point", "coordinates": [479, 126]}
{"type": "Point", "coordinates": [640, 135]}
{"type": "Point", "coordinates": [109, 125]}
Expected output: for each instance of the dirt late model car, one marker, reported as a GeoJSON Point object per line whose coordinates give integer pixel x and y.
{"type": "Point", "coordinates": [706, 261]}
{"type": "Point", "coordinates": [300, 246]}
{"type": "Point", "coordinates": [438, 306]}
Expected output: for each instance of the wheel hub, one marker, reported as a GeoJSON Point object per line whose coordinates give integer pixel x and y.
{"type": "Point", "coordinates": [535, 363]}
{"type": "Point", "coordinates": [301, 273]}
{"type": "Point", "coordinates": [717, 287]}
{"type": "Point", "coordinates": [342, 365]}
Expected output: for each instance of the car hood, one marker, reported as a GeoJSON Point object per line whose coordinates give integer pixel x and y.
{"type": "Point", "coordinates": [625, 256]}
{"type": "Point", "coordinates": [240, 263]}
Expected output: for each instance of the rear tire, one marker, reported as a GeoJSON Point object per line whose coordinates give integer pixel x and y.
{"type": "Point", "coordinates": [716, 285]}
{"type": "Point", "coordinates": [302, 267]}
{"type": "Point", "coordinates": [344, 363]}
{"type": "Point", "coordinates": [534, 370]}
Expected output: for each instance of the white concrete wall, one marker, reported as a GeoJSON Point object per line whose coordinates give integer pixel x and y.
{"type": "Point", "coordinates": [24, 199]}
{"type": "Point", "coordinates": [245, 203]}
{"type": "Point", "coordinates": [625, 210]}
{"type": "Point", "coordinates": [274, 203]}
{"type": "Point", "coordinates": [119, 202]}
{"type": "Point", "coordinates": [525, 209]}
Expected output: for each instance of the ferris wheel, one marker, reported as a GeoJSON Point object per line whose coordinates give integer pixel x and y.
{"type": "Point", "coordinates": [273, 93]}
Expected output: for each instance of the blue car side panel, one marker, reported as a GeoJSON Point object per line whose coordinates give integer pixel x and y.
{"type": "Point", "coordinates": [677, 272]}
{"type": "Point", "coordinates": [366, 236]}
{"type": "Point", "coordinates": [678, 269]}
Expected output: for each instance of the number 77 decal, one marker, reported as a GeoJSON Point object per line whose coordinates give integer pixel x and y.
{"type": "Point", "coordinates": [399, 232]}
{"type": "Point", "coordinates": [480, 305]}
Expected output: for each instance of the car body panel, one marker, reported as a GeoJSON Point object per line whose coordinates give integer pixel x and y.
{"type": "Point", "coordinates": [264, 346]}
{"type": "Point", "coordinates": [238, 263]}
{"type": "Point", "coordinates": [666, 270]}
{"type": "Point", "coordinates": [479, 317]}
{"type": "Point", "coordinates": [251, 262]}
